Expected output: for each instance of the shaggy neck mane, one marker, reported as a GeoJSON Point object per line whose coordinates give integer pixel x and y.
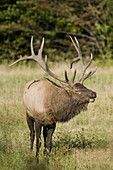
{"type": "Point", "coordinates": [73, 110]}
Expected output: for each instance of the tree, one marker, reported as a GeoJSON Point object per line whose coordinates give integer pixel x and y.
{"type": "Point", "coordinates": [90, 21]}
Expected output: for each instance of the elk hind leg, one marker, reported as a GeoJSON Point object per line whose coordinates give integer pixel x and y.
{"type": "Point", "coordinates": [30, 122]}
{"type": "Point", "coordinates": [38, 137]}
{"type": "Point", "coordinates": [45, 137]}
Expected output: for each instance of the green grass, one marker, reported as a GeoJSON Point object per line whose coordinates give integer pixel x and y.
{"type": "Point", "coordinates": [83, 143]}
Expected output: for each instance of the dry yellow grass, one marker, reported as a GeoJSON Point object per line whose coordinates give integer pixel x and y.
{"type": "Point", "coordinates": [85, 142]}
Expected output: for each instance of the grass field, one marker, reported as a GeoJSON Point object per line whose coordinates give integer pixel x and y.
{"type": "Point", "coordinates": [83, 143]}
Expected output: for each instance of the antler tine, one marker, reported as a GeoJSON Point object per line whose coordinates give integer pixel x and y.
{"type": "Point", "coordinates": [89, 61]}
{"type": "Point", "coordinates": [32, 57]}
{"type": "Point", "coordinates": [89, 75]}
{"type": "Point", "coordinates": [38, 58]}
{"type": "Point", "coordinates": [66, 77]}
{"type": "Point", "coordinates": [81, 79]}
{"type": "Point", "coordinates": [74, 75]}
{"type": "Point", "coordinates": [73, 61]}
{"type": "Point", "coordinates": [22, 58]}
{"type": "Point", "coordinates": [32, 50]}
{"type": "Point", "coordinates": [77, 47]}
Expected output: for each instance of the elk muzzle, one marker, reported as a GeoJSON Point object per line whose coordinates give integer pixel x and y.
{"type": "Point", "coordinates": [93, 95]}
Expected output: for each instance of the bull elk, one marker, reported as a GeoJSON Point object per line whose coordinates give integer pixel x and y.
{"type": "Point", "coordinates": [46, 102]}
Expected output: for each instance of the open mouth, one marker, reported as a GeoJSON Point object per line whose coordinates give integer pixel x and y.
{"type": "Point", "coordinates": [91, 100]}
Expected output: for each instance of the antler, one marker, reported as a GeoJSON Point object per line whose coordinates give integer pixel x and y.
{"type": "Point", "coordinates": [38, 58]}
{"type": "Point", "coordinates": [84, 68]}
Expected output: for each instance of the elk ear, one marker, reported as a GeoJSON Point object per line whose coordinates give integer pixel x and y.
{"type": "Point", "coordinates": [65, 85]}
{"type": "Point", "coordinates": [68, 88]}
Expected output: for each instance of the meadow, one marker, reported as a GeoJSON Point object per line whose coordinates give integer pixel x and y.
{"type": "Point", "coordinates": [83, 143]}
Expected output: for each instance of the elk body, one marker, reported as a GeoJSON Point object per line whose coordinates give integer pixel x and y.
{"type": "Point", "coordinates": [47, 103]}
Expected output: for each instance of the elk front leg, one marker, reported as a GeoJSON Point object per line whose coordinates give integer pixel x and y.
{"type": "Point", "coordinates": [30, 122]}
{"type": "Point", "coordinates": [38, 138]}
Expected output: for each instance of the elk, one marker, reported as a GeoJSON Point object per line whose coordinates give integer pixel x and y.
{"type": "Point", "coordinates": [47, 103]}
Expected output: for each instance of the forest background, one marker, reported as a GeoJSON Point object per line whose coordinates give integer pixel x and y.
{"type": "Point", "coordinates": [90, 21]}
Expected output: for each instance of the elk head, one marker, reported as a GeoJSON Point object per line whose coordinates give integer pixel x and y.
{"type": "Point", "coordinates": [84, 94]}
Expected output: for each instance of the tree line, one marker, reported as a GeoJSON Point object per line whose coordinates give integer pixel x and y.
{"type": "Point", "coordinates": [90, 21]}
